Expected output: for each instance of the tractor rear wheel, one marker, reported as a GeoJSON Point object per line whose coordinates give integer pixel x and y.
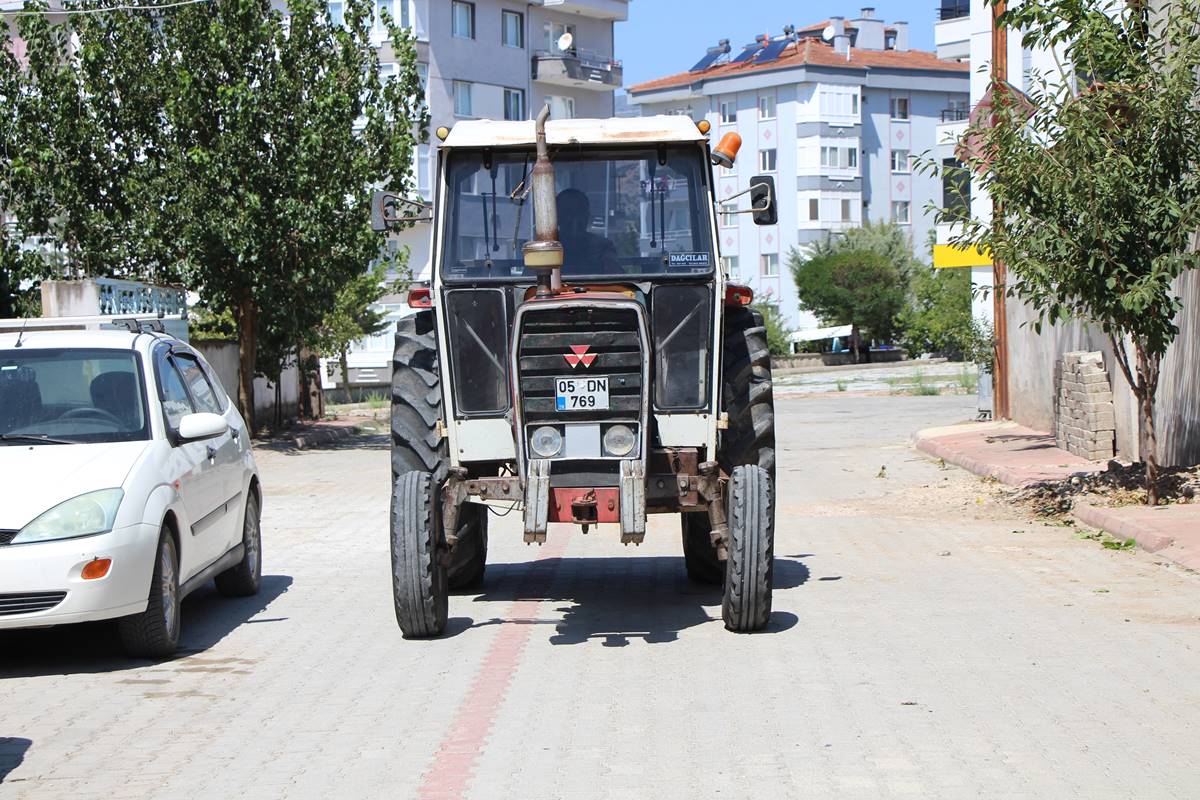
{"type": "Point", "coordinates": [419, 585]}
{"type": "Point", "coordinates": [417, 399]}
{"type": "Point", "coordinates": [746, 396]}
{"type": "Point", "coordinates": [747, 602]}
{"type": "Point", "coordinates": [469, 559]}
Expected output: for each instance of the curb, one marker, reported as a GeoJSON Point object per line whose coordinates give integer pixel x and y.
{"type": "Point", "coordinates": [323, 435]}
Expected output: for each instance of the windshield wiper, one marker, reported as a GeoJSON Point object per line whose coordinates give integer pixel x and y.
{"type": "Point", "coordinates": [33, 437]}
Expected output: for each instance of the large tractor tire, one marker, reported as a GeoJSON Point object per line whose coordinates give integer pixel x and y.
{"type": "Point", "coordinates": [469, 559]}
{"type": "Point", "coordinates": [420, 587]}
{"type": "Point", "coordinates": [417, 399]}
{"type": "Point", "coordinates": [746, 396]}
{"type": "Point", "coordinates": [747, 602]}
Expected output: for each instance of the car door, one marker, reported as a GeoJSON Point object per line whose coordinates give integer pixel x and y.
{"type": "Point", "coordinates": [224, 451]}
{"type": "Point", "coordinates": [197, 479]}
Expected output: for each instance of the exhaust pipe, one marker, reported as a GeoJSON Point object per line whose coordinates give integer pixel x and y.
{"type": "Point", "coordinates": [544, 252]}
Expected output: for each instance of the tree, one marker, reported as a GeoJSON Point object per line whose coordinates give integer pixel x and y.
{"type": "Point", "coordinates": [851, 287]}
{"type": "Point", "coordinates": [352, 318]}
{"type": "Point", "coordinates": [1093, 176]}
{"type": "Point", "coordinates": [889, 240]}
{"type": "Point", "coordinates": [937, 318]}
{"type": "Point", "coordinates": [778, 332]}
{"type": "Point", "coordinates": [217, 144]}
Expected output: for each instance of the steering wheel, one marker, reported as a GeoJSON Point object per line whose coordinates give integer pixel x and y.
{"type": "Point", "coordinates": [90, 411]}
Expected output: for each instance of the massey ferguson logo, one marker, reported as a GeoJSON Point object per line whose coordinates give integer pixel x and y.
{"type": "Point", "coordinates": [579, 355]}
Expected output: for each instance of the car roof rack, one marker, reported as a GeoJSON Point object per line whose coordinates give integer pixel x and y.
{"type": "Point", "coordinates": [135, 325]}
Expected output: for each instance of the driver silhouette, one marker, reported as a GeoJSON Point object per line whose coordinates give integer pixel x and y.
{"type": "Point", "coordinates": [583, 251]}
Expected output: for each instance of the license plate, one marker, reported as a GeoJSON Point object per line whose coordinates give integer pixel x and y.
{"type": "Point", "coordinates": [581, 394]}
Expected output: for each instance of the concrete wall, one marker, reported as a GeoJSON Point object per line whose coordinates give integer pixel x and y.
{"type": "Point", "coordinates": [1031, 380]}
{"type": "Point", "coordinates": [223, 356]}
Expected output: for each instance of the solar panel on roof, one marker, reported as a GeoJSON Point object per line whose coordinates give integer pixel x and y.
{"type": "Point", "coordinates": [747, 54]}
{"type": "Point", "coordinates": [707, 61]}
{"type": "Point", "coordinates": [772, 51]}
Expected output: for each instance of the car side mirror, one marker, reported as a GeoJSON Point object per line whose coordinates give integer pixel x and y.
{"type": "Point", "coordinates": [201, 425]}
{"type": "Point", "coordinates": [762, 200]}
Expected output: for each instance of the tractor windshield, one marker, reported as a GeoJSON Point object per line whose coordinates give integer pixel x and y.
{"type": "Point", "coordinates": [621, 212]}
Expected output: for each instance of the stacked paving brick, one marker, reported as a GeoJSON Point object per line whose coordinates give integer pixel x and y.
{"type": "Point", "coordinates": [1084, 420]}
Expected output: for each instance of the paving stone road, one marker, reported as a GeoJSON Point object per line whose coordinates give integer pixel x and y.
{"type": "Point", "coordinates": [928, 641]}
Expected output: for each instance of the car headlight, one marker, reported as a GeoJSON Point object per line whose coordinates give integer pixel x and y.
{"type": "Point", "coordinates": [546, 442]}
{"type": "Point", "coordinates": [619, 440]}
{"type": "Point", "coordinates": [84, 515]}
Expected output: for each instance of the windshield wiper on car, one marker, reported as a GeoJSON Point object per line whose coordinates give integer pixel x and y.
{"type": "Point", "coordinates": [33, 437]}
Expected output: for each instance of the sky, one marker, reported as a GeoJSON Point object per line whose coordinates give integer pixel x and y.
{"type": "Point", "coordinates": [663, 37]}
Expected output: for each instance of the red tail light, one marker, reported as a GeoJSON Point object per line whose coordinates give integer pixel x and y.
{"type": "Point", "coordinates": [738, 295]}
{"type": "Point", "coordinates": [420, 297]}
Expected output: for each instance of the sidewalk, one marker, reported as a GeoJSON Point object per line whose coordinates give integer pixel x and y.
{"type": "Point", "coordinates": [1018, 456]}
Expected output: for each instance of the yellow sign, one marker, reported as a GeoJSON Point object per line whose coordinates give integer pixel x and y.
{"type": "Point", "coordinates": [946, 256]}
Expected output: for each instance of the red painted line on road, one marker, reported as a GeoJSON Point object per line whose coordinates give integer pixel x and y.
{"type": "Point", "coordinates": [453, 768]}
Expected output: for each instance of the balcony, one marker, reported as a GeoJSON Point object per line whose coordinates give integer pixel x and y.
{"type": "Point", "coordinates": [955, 114]}
{"type": "Point", "coordinates": [614, 10]}
{"type": "Point", "coordinates": [954, 9]}
{"type": "Point", "coordinates": [577, 69]}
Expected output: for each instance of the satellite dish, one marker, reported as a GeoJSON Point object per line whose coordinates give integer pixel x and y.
{"type": "Point", "coordinates": [827, 34]}
{"type": "Point", "coordinates": [565, 41]}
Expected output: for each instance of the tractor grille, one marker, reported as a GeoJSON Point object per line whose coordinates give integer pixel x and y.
{"type": "Point", "coordinates": [29, 602]}
{"type": "Point", "coordinates": [546, 337]}
{"type": "Point", "coordinates": [7, 536]}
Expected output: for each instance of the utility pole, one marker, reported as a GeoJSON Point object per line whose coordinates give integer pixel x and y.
{"type": "Point", "coordinates": [1000, 402]}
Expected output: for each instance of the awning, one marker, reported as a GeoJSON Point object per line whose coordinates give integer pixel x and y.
{"type": "Point", "coordinates": [816, 334]}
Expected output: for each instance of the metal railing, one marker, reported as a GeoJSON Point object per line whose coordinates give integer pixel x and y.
{"type": "Point", "coordinates": [954, 9]}
{"type": "Point", "coordinates": [955, 114]}
{"type": "Point", "coordinates": [118, 297]}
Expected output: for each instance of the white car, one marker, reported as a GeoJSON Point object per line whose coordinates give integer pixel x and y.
{"type": "Point", "coordinates": [126, 481]}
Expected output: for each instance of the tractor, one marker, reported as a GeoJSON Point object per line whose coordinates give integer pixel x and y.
{"type": "Point", "coordinates": [578, 355]}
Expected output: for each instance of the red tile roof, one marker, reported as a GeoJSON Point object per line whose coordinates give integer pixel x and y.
{"type": "Point", "coordinates": [817, 53]}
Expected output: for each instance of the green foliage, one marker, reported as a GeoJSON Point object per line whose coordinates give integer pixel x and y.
{"type": "Point", "coordinates": [841, 384]}
{"type": "Point", "coordinates": [856, 287]}
{"type": "Point", "coordinates": [216, 145]}
{"type": "Point", "coordinates": [351, 317]}
{"type": "Point", "coordinates": [376, 400]}
{"type": "Point", "coordinates": [967, 381]}
{"type": "Point", "coordinates": [777, 328]}
{"type": "Point", "coordinates": [938, 316]}
{"type": "Point", "coordinates": [1094, 174]}
{"type": "Point", "coordinates": [889, 240]}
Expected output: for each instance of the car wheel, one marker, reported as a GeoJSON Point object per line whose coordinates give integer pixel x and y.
{"type": "Point", "coordinates": [244, 578]}
{"type": "Point", "coordinates": [154, 633]}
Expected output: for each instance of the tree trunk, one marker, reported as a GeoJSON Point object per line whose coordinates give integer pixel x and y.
{"type": "Point", "coordinates": [344, 362]}
{"type": "Point", "coordinates": [305, 410]}
{"type": "Point", "coordinates": [247, 316]}
{"type": "Point", "coordinates": [1147, 374]}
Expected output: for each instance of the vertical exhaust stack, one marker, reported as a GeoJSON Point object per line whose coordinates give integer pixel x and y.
{"type": "Point", "coordinates": [544, 252]}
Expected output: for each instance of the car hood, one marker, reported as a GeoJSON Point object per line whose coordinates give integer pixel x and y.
{"type": "Point", "coordinates": [35, 478]}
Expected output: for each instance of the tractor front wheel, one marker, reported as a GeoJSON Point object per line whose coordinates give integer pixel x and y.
{"type": "Point", "coordinates": [747, 603]}
{"type": "Point", "coordinates": [420, 586]}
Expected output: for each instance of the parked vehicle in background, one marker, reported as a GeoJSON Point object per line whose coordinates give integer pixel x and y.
{"type": "Point", "coordinates": [127, 481]}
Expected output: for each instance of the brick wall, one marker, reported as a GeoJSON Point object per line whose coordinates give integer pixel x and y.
{"type": "Point", "coordinates": [1084, 419]}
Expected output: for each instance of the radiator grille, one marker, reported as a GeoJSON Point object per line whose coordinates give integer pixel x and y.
{"type": "Point", "coordinates": [612, 335]}
{"type": "Point", "coordinates": [29, 602]}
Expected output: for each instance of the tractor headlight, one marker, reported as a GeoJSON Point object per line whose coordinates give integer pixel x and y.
{"type": "Point", "coordinates": [619, 440]}
{"type": "Point", "coordinates": [84, 515]}
{"type": "Point", "coordinates": [546, 442]}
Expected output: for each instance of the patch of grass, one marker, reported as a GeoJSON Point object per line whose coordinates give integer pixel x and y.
{"type": "Point", "coordinates": [841, 385]}
{"type": "Point", "coordinates": [376, 400]}
{"type": "Point", "coordinates": [926, 390]}
{"type": "Point", "coordinates": [968, 382]}
{"type": "Point", "coordinates": [1117, 544]}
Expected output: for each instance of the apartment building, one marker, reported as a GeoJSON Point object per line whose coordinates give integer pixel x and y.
{"type": "Point", "coordinates": [837, 112]}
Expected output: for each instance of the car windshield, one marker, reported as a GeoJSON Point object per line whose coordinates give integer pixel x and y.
{"type": "Point", "coordinates": [621, 212]}
{"type": "Point", "coordinates": [72, 395]}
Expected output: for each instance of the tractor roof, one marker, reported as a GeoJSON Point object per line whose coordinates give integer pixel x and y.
{"type": "Point", "coordinates": [618, 130]}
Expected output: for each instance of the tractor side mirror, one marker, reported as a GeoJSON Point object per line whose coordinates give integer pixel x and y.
{"type": "Point", "coordinates": [762, 200]}
{"type": "Point", "coordinates": [389, 211]}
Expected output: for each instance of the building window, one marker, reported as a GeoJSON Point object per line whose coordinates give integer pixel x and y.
{"type": "Point", "coordinates": [768, 264]}
{"type": "Point", "coordinates": [728, 217]}
{"type": "Point", "coordinates": [956, 187]}
{"type": "Point", "coordinates": [462, 19]}
{"type": "Point", "coordinates": [766, 106]}
{"type": "Point", "coordinates": [512, 29]}
{"type": "Point", "coordinates": [766, 160]}
{"type": "Point", "coordinates": [814, 209]}
{"type": "Point", "coordinates": [900, 211]}
{"type": "Point", "coordinates": [397, 10]}
{"type": "Point", "coordinates": [839, 157]}
{"type": "Point", "coordinates": [514, 104]}
{"type": "Point", "coordinates": [423, 79]}
{"type": "Point", "coordinates": [462, 99]}
{"type": "Point", "coordinates": [337, 13]}
{"type": "Point", "coordinates": [561, 107]}
{"type": "Point", "coordinates": [846, 210]}
{"type": "Point", "coordinates": [900, 161]}
{"type": "Point", "coordinates": [729, 264]}
{"type": "Point", "coordinates": [388, 71]}
{"type": "Point", "coordinates": [554, 32]}
{"type": "Point", "coordinates": [899, 108]}
{"type": "Point", "coordinates": [728, 112]}
{"type": "Point", "coordinates": [838, 103]}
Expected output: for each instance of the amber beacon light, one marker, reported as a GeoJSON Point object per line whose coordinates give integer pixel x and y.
{"type": "Point", "coordinates": [725, 153]}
